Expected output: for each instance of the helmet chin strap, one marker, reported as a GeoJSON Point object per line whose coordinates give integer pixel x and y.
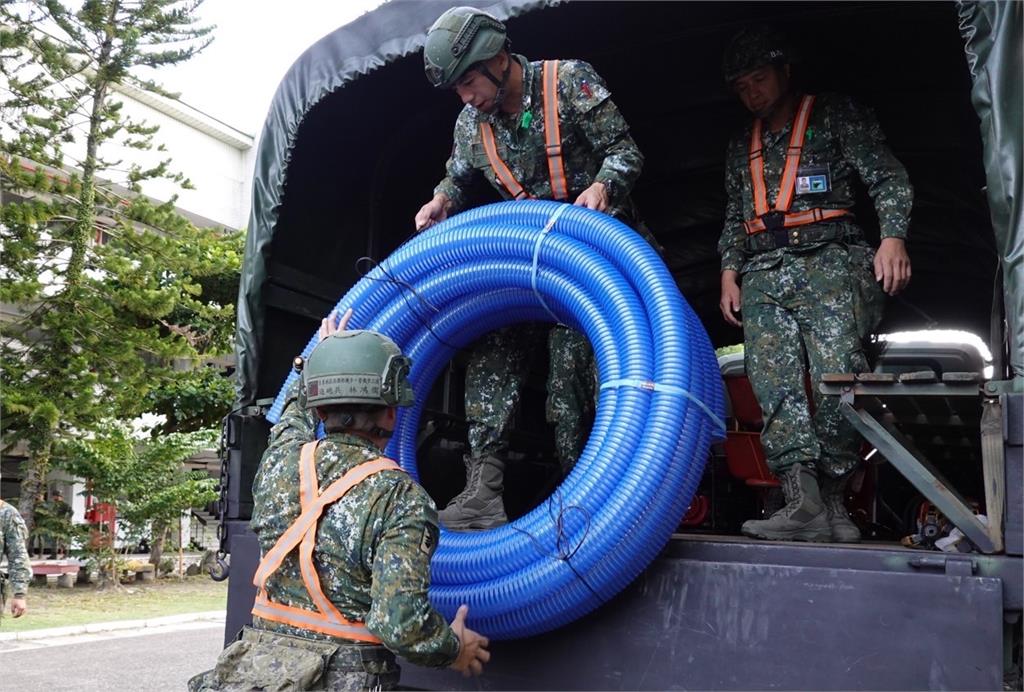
{"type": "Point", "coordinates": [502, 83]}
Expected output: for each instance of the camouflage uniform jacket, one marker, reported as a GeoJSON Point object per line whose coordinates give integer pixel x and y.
{"type": "Point", "coordinates": [13, 536]}
{"type": "Point", "coordinates": [596, 142]}
{"type": "Point", "coordinates": [373, 547]}
{"type": "Point", "coordinates": [847, 138]}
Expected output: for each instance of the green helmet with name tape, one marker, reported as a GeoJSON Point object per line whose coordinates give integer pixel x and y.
{"type": "Point", "coordinates": [356, 367]}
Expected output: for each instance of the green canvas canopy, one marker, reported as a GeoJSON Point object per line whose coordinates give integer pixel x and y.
{"type": "Point", "coordinates": [356, 139]}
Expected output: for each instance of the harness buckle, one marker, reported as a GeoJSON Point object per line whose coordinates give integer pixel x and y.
{"type": "Point", "coordinates": [773, 220]}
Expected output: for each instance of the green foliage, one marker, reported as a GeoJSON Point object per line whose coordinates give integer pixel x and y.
{"type": "Point", "coordinates": [192, 399]}
{"type": "Point", "coordinates": [53, 523]}
{"type": "Point", "coordinates": [114, 291]}
{"type": "Point", "coordinates": [144, 479]}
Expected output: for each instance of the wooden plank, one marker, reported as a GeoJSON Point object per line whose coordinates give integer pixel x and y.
{"type": "Point", "coordinates": [839, 378]}
{"type": "Point", "coordinates": [877, 377]}
{"type": "Point", "coordinates": [919, 377]}
{"type": "Point", "coordinates": [993, 468]}
{"type": "Point", "coordinates": [961, 378]}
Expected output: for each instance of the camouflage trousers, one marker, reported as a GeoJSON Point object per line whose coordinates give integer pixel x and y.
{"type": "Point", "coordinates": [272, 661]}
{"type": "Point", "coordinates": [804, 305]}
{"type": "Point", "coordinates": [497, 371]}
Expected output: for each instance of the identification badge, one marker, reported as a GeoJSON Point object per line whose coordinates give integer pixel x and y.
{"type": "Point", "coordinates": [811, 180]}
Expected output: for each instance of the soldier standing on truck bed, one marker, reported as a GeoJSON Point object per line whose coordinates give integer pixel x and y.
{"type": "Point", "coordinates": [346, 538]}
{"type": "Point", "coordinates": [544, 130]}
{"type": "Point", "coordinates": [809, 283]}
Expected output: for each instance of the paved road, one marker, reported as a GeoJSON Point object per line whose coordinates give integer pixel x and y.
{"type": "Point", "coordinates": [158, 658]}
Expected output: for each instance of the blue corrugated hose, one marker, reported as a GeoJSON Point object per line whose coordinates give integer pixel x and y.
{"type": "Point", "coordinates": [661, 401]}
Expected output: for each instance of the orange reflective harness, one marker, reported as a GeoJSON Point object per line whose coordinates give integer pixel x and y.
{"type": "Point", "coordinates": [552, 142]}
{"type": "Point", "coordinates": [302, 533]}
{"type": "Point", "coordinates": [780, 217]}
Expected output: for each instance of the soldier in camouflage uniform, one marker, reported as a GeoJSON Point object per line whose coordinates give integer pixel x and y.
{"type": "Point", "coordinates": [372, 546]}
{"type": "Point", "coordinates": [13, 538]}
{"type": "Point", "coordinates": [467, 50]}
{"type": "Point", "coordinates": [810, 284]}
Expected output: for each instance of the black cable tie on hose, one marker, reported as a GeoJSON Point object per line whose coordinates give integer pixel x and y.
{"type": "Point", "coordinates": [561, 553]}
{"type": "Point", "coordinates": [405, 285]}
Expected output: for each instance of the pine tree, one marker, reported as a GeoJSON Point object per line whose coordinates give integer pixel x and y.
{"type": "Point", "coordinates": [109, 289]}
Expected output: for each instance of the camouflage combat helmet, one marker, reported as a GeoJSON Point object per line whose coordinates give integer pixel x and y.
{"type": "Point", "coordinates": [755, 47]}
{"type": "Point", "coordinates": [356, 367]}
{"type": "Point", "coordinates": [459, 39]}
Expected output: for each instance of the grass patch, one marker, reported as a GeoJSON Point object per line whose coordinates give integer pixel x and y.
{"type": "Point", "coordinates": [85, 604]}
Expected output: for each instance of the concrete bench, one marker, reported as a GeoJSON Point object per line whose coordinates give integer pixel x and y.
{"type": "Point", "coordinates": [56, 573]}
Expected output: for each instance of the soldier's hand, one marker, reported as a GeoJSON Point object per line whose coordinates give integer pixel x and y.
{"type": "Point", "coordinates": [594, 197]}
{"type": "Point", "coordinates": [473, 653]}
{"type": "Point", "coordinates": [892, 265]}
{"type": "Point", "coordinates": [327, 324]}
{"type": "Point", "coordinates": [18, 606]}
{"type": "Point", "coordinates": [434, 211]}
{"type": "Point", "coordinates": [729, 303]}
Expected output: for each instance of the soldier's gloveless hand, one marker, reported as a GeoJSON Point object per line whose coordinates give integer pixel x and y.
{"type": "Point", "coordinates": [328, 326]}
{"type": "Point", "coordinates": [892, 265]}
{"type": "Point", "coordinates": [473, 653]}
{"type": "Point", "coordinates": [729, 303]}
{"type": "Point", "coordinates": [18, 606]}
{"type": "Point", "coordinates": [594, 197]}
{"type": "Point", "coordinates": [434, 211]}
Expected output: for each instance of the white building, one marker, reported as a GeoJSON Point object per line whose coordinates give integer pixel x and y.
{"type": "Point", "coordinates": [216, 157]}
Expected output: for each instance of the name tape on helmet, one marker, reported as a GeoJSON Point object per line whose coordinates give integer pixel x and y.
{"type": "Point", "coordinates": [359, 386]}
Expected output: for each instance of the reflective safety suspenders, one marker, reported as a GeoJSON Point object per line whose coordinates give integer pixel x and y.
{"type": "Point", "coordinates": [553, 131]}
{"type": "Point", "coordinates": [552, 142]}
{"type": "Point", "coordinates": [326, 619]}
{"type": "Point", "coordinates": [500, 168]}
{"type": "Point", "coordinates": [780, 216]}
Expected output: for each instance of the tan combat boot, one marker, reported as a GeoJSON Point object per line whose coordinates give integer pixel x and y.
{"type": "Point", "coordinates": [803, 517]}
{"type": "Point", "coordinates": [833, 494]}
{"type": "Point", "coordinates": [480, 505]}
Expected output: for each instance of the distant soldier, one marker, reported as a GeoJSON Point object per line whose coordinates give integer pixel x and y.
{"type": "Point", "coordinates": [808, 277]}
{"type": "Point", "coordinates": [544, 130]}
{"type": "Point", "coordinates": [13, 538]}
{"type": "Point", "coordinates": [346, 538]}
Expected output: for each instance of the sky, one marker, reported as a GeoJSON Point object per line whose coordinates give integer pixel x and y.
{"type": "Point", "coordinates": [255, 43]}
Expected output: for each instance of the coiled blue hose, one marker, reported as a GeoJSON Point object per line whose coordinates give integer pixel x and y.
{"type": "Point", "coordinates": [660, 405]}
